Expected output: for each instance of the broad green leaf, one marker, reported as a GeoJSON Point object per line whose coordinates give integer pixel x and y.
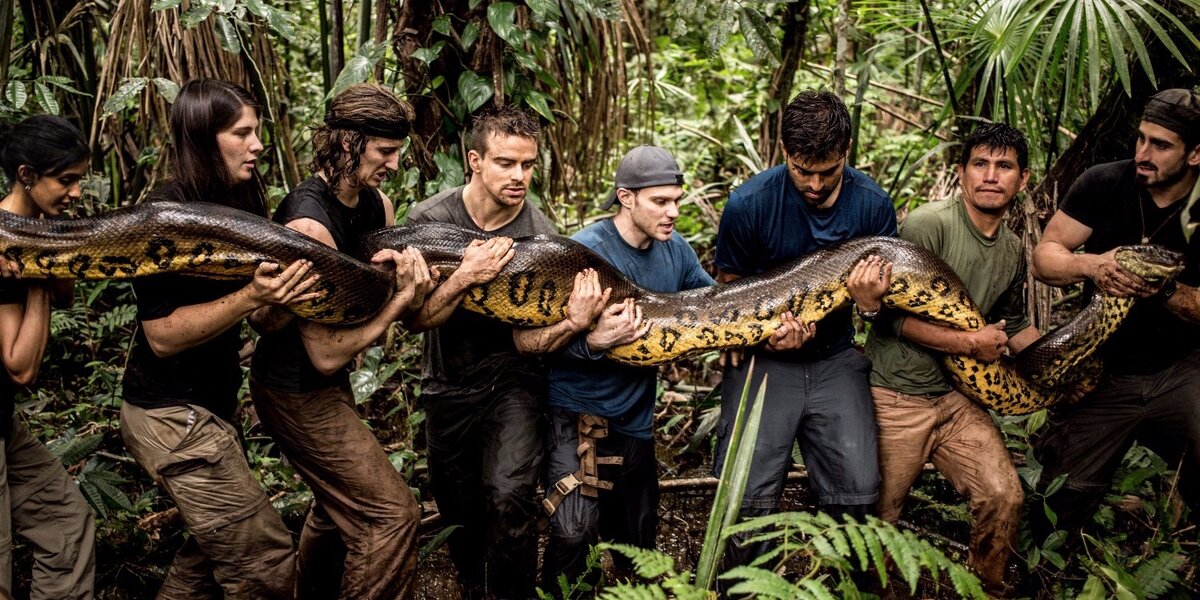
{"type": "Point", "coordinates": [474, 89]}
{"type": "Point", "coordinates": [282, 21]}
{"type": "Point", "coordinates": [167, 88]}
{"type": "Point", "coordinates": [228, 34]}
{"type": "Point", "coordinates": [130, 88]}
{"type": "Point", "coordinates": [165, 4]}
{"type": "Point", "coordinates": [257, 8]}
{"type": "Point", "coordinates": [442, 25]}
{"type": "Point", "coordinates": [363, 383]}
{"type": "Point", "coordinates": [195, 15]}
{"type": "Point", "coordinates": [16, 94]}
{"type": "Point", "coordinates": [609, 10]}
{"type": "Point", "coordinates": [428, 55]}
{"type": "Point", "coordinates": [470, 34]}
{"type": "Point", "coordinates": [1093, 589]}
{"type": "Point", "coordinates": [544, 11]}
{"type": "Point", "coordinates": [45, 97]}
{"type": "Point", "coordinates": [500, 16]}
{"type": "Point", "coordinates": [357, 70]}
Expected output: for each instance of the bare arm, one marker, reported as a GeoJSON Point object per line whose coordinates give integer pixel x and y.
{"type": "Point", "coordinates": [585, 304]}
{"type": "Point", "coordinates": [482, 261]}
{"type": "Point", "coordinates": [986, 344]}
{"type": "Point", "coordinates": [24, 331]}
{"type": "Point", "coordinates": [1023, 339]}
{"type": "Point", "coordinates": [192, 325]}
{"type": "Point", "coordinates": [330, 348]}
{"type": "Point", "coordinates": [1185, 303]}
{"type": "Point", "coordinates": [1055, 261]}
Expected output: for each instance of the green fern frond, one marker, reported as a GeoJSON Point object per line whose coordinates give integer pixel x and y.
{"type": "Point", "coordinates": [898, 548]}
{"type": "Point", "coordinates": [1157, 575]}
{"type": "Point", "coordinates": [815, 589]}
{"type": "Point", "coordinates": [648, 564]}
{"type": "Point", "coordinates": [860, 547]}
{"type": "Point", "coordinates": [760, 583]}
{"type": "Point", "coordinates": [628, 591]}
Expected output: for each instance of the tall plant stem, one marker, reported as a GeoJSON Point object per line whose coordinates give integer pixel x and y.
{"type": "Point", "coordinates": [937, 47]}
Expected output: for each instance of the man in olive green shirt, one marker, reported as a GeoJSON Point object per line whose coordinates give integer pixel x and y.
{"type": "Point", "coordinates": [920, 416]}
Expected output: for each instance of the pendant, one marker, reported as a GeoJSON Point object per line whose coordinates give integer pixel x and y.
{"type": "Point", "coordinates": [1145, 240]}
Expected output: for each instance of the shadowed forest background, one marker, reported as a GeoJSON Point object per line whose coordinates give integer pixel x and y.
{"type": "Point", "coordinates": [705, 79]}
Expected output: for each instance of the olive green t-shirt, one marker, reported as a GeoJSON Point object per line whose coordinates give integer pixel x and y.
{"type": "Point", "coordinates": [993, 269]}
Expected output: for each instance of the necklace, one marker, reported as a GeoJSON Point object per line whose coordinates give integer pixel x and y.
{"type": "Point", "coordinates": [1142, 212]}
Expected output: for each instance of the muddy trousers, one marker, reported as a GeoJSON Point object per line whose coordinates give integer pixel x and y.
{"type": "Point", "coordinates": [239, 546]}
{"type": "Point", "coordinates": [962, 442]}
{"type": "Point", "coordinates": [626, 514]}
{"type": "Point", "coordinates": [485, 458]}
{"type": "Point", "coordinates": [374, 554]}
{"type": "Point", "coordinates": [40, 503]}
{"type": "Point", "coordinates": [825, 405]}
{"type": "Point", "coordinates": [1086, 441]}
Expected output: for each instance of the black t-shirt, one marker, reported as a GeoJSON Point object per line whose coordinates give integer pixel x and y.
{"type": "Point", "coordinates": [206, 375]}
{"type": "Point", "coordinates": [280, 360]}
{"type": "Point", "coordinates": [1108, 199]}
{"type": "Point", "coordinates": [12, 291]}
{"type": "Point", "coordinates": [470, 352]}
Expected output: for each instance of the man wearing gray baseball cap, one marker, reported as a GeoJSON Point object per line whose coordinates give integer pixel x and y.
{"type": "Point", "coordinates": [611, 491]}
{"type": "Point", "coordinates": [1151, 374]}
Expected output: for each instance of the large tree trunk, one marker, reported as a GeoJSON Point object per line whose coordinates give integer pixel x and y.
{"type": "Point", "coordinates": [795, 24]}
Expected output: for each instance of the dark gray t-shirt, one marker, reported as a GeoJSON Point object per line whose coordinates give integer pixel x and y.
{"type": "Point", "coordinates": [468, 353]}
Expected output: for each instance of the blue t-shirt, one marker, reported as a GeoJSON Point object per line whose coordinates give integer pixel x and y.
{"type": "Point", "coordinates": [588, 383]}
{"type": "Point", "coordinates": [767, 223]}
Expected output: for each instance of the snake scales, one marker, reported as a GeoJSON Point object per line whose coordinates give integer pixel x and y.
{"type": "Point", "coordinates": [216, 241]}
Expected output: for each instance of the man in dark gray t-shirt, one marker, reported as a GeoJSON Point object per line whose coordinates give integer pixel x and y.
{"type": "Point", "coordinates": [484, 401]}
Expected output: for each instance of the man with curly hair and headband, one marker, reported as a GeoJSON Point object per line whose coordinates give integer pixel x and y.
{"type": "Point", "coordinates": [360, 535]}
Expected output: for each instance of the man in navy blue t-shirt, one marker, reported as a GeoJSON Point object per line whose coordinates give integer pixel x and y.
{"type": "Point", "coordinates": [817, 392]}
{"type": "Point", "coordinates": [607, 404]}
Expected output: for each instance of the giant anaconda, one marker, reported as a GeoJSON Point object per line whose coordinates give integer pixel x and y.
{"type": "Point", "coordinates": [534, 287]}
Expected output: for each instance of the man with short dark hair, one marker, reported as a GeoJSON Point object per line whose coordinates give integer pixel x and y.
{"type": "Point", "coordinates": [602, 474]}
{"type": "Point", "coordinates": [921, 417]}
{"type": "Point", "coordinates": [817, 391]}
{"type": "Point", "coordinates": [1151, 379]}
{"type": "Point", "coordinates": [483, 399]}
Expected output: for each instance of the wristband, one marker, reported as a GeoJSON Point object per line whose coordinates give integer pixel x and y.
{"type": "Point", "coordinates": [867, 315]}
{"type": "Point", "coordinates": [1168, 289]}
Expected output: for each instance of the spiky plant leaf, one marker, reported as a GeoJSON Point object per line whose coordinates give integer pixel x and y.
{"type": "Point", "coordinates": [648, 564]}
{"type": "Point", "coordinates": [1158, 575]}
{"type": "Point", "coordinates": [860, 547]}
{"type": "Point", "coordinates": [759, 582]}
{"type": "Point", "coordinates": [626, 591]}
{"type": "Point", "coordinates": [71, 449]}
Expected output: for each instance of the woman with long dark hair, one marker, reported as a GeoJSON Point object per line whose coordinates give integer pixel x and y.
{"type": "Point", "coordinates": [44, 158]}
{"type": "Point", "coordinates": [181, 387]}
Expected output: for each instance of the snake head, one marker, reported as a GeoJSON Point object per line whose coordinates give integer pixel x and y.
{"type": "Point", "coordinates": [1151, 262]}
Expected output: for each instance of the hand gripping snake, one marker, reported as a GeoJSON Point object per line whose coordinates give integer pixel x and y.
{"type": "Point", "coordinates": [534, 287]}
